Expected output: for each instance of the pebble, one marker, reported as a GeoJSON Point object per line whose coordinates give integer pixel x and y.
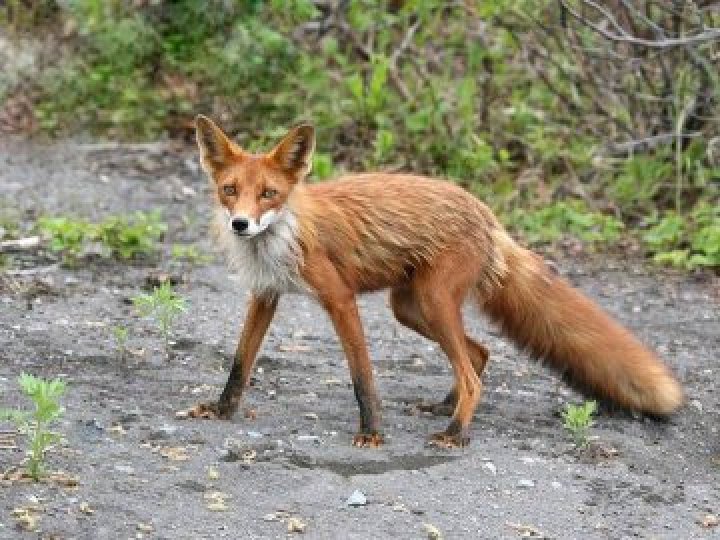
{"type": "Point", "coordinates": [308, 438]}
{"type": "Point", "coordinates": [310, 416]}
{"type": "Point", "coordinates": [124, 469]}
{"type": "Point", "coordinates": [254, 434]}
{"type": "Point", "coordinates": [525, 483]}
{"type": "Point", "coordinates": [357, 498]}
{"type": "Point", "coordinates": [490, 467]}
{"type": "Point", "coordinates": [164, 431]}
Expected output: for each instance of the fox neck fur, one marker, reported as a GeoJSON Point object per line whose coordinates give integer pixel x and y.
{"type": "Point", "coordinates": [268, 263]}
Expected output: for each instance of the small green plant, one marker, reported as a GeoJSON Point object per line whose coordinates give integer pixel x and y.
{"type": "Point", "coordinates": [67, 235]}
{"type": "Point", "coordinates": [572, 218]}
{"type": "Point", "coordinates": [36, 424]}
{"type": "Point", "coordinates": [163, 305]}
{"type": "Point", "coordinates": [687, 241]}
{"type": "Point", "coordinates": [120, 334]}
{"type": "Point", "coordinates": [189, 253]}
{"type": "Point", "coordinates": [577, 419]}
{"type": "Point", "coordinates": [130, 236]}
{"type": "Point", "coordinates": [125, 237]}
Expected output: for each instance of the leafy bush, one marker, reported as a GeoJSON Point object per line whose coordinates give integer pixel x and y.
{"type": "Point", "coordinates": [131, 236]}
{"type": "Point", "coordinates": [125, 237]}
{"type": "Point", "coordinates": [526, 103]}
{"type": "Point", "coordinates": [67, 235]}
{"type": "Point", "coordinates": [565, 218]}
{"type": "Point", "coordinates": [688, 242]}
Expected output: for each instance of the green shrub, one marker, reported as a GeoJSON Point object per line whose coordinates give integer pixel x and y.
{"type": "Point", "coordinates": [517, 101]}
{"type": "Point", "coordinates": [124, 236]}
{"type": "Point", "coordinates": [128, 237]}
{"type": "Point", "coordinates": [690, 241]}
{"type": "Point", "coordinates": [565, 218]}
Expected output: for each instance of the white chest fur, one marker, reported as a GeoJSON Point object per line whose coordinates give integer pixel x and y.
{"type": "Point", "coordinates": [268, 262]}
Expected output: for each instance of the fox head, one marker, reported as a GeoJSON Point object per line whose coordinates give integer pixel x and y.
{"type": "Point", "coordinates": [254, 188]}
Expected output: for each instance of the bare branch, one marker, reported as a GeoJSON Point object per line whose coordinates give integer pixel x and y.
{"type": "Point", "coordinates": [623, 37]}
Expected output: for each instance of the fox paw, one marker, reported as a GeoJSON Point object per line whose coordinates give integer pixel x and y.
{"type": "Point", "coordinates": [368, 440]}
{"type": "Point", "coordinates": [212, 411]}
{"type": "Point", "coordinates": [445, 440]}
{"type": "Point", "coordinates": [437, 409]}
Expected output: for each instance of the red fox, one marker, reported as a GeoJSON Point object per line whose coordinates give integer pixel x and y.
{"type": "Point", "coordinates": [432, 244]}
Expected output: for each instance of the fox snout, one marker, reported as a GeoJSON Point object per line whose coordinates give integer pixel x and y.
{"type": "Point", "coordinates": [243, 225]}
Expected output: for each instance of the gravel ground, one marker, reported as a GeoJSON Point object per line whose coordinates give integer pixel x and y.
{"type": "Point", "coordinates": [287, 463]}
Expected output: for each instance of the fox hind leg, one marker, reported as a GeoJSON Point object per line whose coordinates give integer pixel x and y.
{"type": "Point", "coordinates": [407, 312]}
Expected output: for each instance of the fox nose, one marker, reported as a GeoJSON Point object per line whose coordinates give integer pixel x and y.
{"type": "Point", "coordinates": [239, 224]}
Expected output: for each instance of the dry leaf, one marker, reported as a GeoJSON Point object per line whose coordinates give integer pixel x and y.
{"type": "Point", "coordinates": [86, 509]}
{"type": "Point", "coordinates": [432, 531]}
{"type": "Point", "coordinates": [174, 453]}
{"type": "Point", "coordinates": [27, 517]}
{"type": "Point", "coordinates": [212, 473]}
{"type": "Point", "coordinates": [144, 527]}
{"type": "Point", "coordinates": [117, 429]}
{"type": "Point", "coordinates": [249, 456]}
{"type": "Point", "coordinates": [526, 531]}
{"type": "Point", "coordinates": [710, 520]}
{"type": "Point", "coordinates": [296, 525]}
{"type": "Point", "coordinates": [215, 501]}
{"type": "Point", "coordinates": [63, 479]}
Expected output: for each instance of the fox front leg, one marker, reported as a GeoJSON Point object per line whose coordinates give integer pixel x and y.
{"type": "Point", "coordinates": [260, 313]}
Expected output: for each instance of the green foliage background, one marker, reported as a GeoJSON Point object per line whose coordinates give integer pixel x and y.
{"type": "Point", "coordinates": [518, 101]}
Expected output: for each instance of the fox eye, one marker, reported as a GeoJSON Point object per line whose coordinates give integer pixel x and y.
{"type": "Point", "coordinates": [229, 190]}
{"type": "Point", "coordinates": [268, 193]}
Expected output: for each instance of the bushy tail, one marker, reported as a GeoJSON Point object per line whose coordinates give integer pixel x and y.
{"type": "Point", "coordinates": [553, 321]}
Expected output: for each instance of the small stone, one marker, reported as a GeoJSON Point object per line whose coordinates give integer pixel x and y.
{"type": "Point", "coordinates": [710, 520]}
{"type": "Point", "coordinates": [308, 438]}
{"type": "Point", "coordinates": [124, 469]}
{"type": "Point", "coordinates": [556, 485]}
{"type": "Point", "coordinates": [525, 483]}
{"type": "Point", "coordinates": [357, 498]}
{"type": "Point", "coordinates": [163, 432]}
{"type": "Point", "coordinates": [695, 403]}
{"type": "Point", "coordinates": [310, 416]}
{"type": "Point", "coordinates": [490, 467]}
{"type": "Point", "coordinates": [254, 434]}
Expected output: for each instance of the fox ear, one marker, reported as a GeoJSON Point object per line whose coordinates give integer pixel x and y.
{"type": "Point", "coordinates": [294, 153]}
{"type": "Point", "coordinates": [216, 150]}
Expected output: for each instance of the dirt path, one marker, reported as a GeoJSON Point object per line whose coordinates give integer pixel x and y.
{"type": "Point", "coordinates": [143, 473]}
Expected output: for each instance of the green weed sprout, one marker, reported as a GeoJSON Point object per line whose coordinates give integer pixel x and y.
{"type": "Point", "coordinates": [120, 333]}
{"type": "Point", "coordinates": [163, 305]}
{"type": "Point", "coordinates": [189, 253]}
{"type": "Point", "coordinates": [577, 419]}
{"type": "Point", "coordinates": [45, 395]}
